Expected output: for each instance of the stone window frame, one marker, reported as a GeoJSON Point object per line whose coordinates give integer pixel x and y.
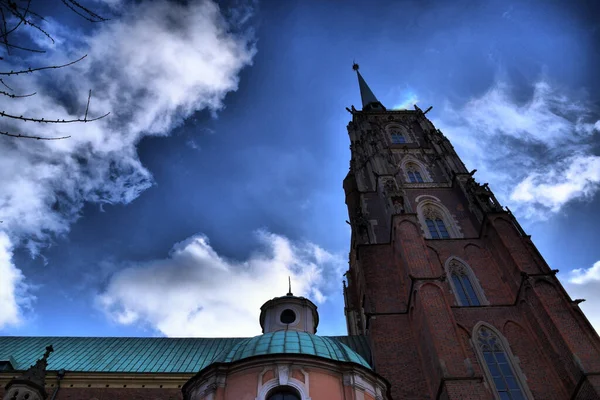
{"type": "Point", "coordinates": [283, 378]}
{"type": "Point", "coordinates": [431, 206]}
{"type": "Point", "coordinates": [468, 271]}
{"type": "Point", "coordinates": [420, 166]}
{"type": "Point", "coordinates": [287, 390]}
{"type": "Point", "coordinates": [512, 359]}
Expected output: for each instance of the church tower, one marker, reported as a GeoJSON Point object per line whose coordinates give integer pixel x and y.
{"type": "Point", "coordinates": [455, 299]}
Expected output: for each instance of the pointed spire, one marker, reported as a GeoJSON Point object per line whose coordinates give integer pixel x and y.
{"type": "Point", "coordinates": [290, 286]}
{"type": "Point", "coordinates": [35, 376]}
{"type": "Point", "coordinates": [369, 101]}
{"type": "Point", "coordinates": [37, 372]}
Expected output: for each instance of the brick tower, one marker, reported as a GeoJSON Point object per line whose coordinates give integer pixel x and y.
{"type": "Point", "coordinates": [454, 297]}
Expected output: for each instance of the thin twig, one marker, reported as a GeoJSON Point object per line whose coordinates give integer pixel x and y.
{"type": "Point", "coordinates": [88, 105]}
{"type": "Point", "coordinates": [17, 96]}
{"type": "Point", "coordinates": [5, 29]}
{"type": "Point", "coordinates": [27, 71]}
{"type": "Point", "coordinates": [92, 17]}
{"type": "Point", "coordinates": [25, 48]}
{"type": "Point", "coordinates": [51, 121]}
{"type": "Point", "coordinates": [23, 19]}
{"type": "Point", "coordinates": [32, 137]}
{"type": "Point", "coordinates": [5, 85]}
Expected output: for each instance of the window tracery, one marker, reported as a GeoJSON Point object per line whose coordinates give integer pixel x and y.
{"type": "Point", "coordinates": [436, 220]}
{"type": "Point", "coordinates": [398, 135]}
{"type": "Point", "coordinates": [499, 365]}
{"type": "Point", "coordinates": [414, 173]}
{"type": "Point", "coordinates": [464, 284]}
{"type": "Point", "coordinates": [435, 223]}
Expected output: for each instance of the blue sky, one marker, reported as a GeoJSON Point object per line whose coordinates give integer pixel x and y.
{"type": "Point", "coordinates": [219, 171]}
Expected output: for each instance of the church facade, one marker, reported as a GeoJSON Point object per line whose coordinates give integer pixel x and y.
{"type": "Point", "coordinates": [446, 298]}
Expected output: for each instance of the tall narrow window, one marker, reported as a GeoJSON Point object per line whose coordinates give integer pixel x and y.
{"type": "Point", "coordinates": [499, 365]}
{"type": "Point", "coordinates": [464, 283]}
{"type": "Point", "coordinates": [464, 289]}
{"type": "Point", "coordinates": [437, 228]}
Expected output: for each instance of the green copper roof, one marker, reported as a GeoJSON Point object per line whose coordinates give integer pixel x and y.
{"type": "Point", "coordinates": [127, 354]}
{"type": "Point", "coordinates": [292, 342]}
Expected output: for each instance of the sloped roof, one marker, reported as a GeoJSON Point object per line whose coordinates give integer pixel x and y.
{"type": "Point", "coordinates": [292, 342]}
{"type": "Point", "coordinates": [130, 354]}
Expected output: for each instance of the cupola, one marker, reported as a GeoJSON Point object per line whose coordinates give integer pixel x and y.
{"type": "Point", "coordinates": [289, 313]}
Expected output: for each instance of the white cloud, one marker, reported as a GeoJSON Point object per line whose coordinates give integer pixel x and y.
{"type": "Point", "coordinates": [13, 291]}
{"type": "Point", "coordinates": [575, 177]}
{"type": "Point", "coordinates": [196, 292]}
{"type": "Point", "coordinates": [543, 146]}
{"type": "Point", "coordinates": [582, 276]}
{"type": "Point", "coordinates": [584, 283]}
{"type": "Point", "coordinates": [151, 68]}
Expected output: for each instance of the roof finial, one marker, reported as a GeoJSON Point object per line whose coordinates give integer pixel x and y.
{"type": "Point", "coordinates": [290, 286]}
{"type": "Point", "coordinates": [354, 66]}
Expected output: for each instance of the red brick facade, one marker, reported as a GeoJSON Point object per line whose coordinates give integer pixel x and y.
{"type": "Point", "coordinates": [399, 291]}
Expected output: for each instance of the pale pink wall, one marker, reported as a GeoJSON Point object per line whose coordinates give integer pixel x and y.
{"type": "Point", "coordinates": [242, 385]}
{"type": "Point", "coordinates": [325, 385]}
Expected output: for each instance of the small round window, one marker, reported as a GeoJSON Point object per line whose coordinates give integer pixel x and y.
{"type": "Point", "coordinates": [287, 316]}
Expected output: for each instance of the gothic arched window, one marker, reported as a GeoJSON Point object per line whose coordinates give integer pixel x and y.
{"type": "Point", "coordinates": [414, 174]}
{"type": "Point", "coordinates": [464, 284]}
{"type": "Point", "coordinates": [499, 366]}
{"type": "Point", "coordinates": [397, 135]}
{"type": "Point", "coordinates": [436, 221]}
{"type": "Point", "coordinates": [437, 227]}
{"type": "Point", "coordinates": [284, 393]}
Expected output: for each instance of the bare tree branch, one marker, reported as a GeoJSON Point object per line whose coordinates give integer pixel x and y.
{"type": "Point", "coordinates": [17, 96]}
{"type": "Point", "coordinates": [51, 121]}
{"type": "Point", "coordinates": [32, 137]}
{"type": "Point", "coordinates": [91, 16]}
{"type": "Point", "coordinates": [30, 70]}
{"type": "Point", "coordinates": [15, 17]}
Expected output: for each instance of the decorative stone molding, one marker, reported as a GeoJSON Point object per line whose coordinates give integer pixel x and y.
{"type": "Point", "coordinates": [283, 374]}
{"type": "Point", "coordinates": [428, 185]}
{"type": "Point", "coordinates": [425, 197]}
{"type": "Point", "coordinates": [208, 388]}
{"type": "Point", "coordinates": [22, 392]}
{"type": "Point", "coordinates": [362, 385]}
{"type": "Point", "coordinates": [396, 197]}
{"type": "Point", "coordinates": [283, 377]}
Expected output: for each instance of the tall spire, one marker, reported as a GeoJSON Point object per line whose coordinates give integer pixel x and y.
{"type": "Point", "coordinates": [369, 101]}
